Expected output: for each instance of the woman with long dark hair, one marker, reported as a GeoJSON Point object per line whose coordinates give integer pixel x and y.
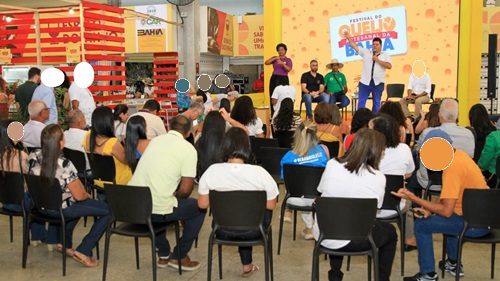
{"type": "Point", "coordinates": [429, 119]}
{"type": "Point", "coordinates": [50, 164]}
{"type": "Point", "coordinates": [405, 125]}
{"type": "Point", "coordinates": [209, 144]}
{"type": "Point", "coordinates": [120, 115]}
{"type": "Point", "coordinates": [357, 175]}
{"type": "Point", "coordinates": [237, 174]}
{"type": "Point", "coordinates": [286, 119]}
{"type": "Point", "coordinates": [244, 112]}
{"type": "Point", "coordinates": [482, 126]}
{"type": "Point", "coordinates": [136, 141]}
{"type": "Point", "coordinates": [101, 140]}
{"type": "Point", "coordinates": [359, 121]}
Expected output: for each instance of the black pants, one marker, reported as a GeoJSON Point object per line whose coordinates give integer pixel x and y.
{"type": "Point", "coordinates": [245, 252]}
{"type": "Point", "coordinates": [275, 81]}
{"type": "Point", "coordinates": [385, 238]}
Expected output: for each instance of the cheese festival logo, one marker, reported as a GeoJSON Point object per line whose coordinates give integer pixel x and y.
{"type": "Point", "coordinates": [387, 24]}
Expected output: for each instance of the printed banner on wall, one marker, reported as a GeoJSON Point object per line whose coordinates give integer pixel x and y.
{"type": "Point", "coordinates": [491, 25]}
{"type": "Point", "coordinates": [388, 24]}
{"type": "Point", "coordinates": [73, 53]}
{"type": "Point", "coordinates": [220, 32]}
{"type": "Point", "coordinates": [5, 56]}
{"type": "Point", "coordinates": [151, 33]}
{"type": "Point", "coordinates": [250, 36]}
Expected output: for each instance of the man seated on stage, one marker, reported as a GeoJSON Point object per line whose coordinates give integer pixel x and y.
{"type": "Point", "coordinates": [419, 89]}
{"type": "Point", "coordinates": [336, 84]}
{"type": "Point", "coordinates": [313, 88]}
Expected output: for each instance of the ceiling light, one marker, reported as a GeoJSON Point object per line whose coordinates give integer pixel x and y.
{"type": "Point", "coordinates": [8, 19]}
{"type": "Point", "coordinates": [71, 11]}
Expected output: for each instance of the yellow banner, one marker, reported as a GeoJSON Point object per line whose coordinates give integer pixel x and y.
{"type": "Point", "coordinates": [151, 40]}
{"type": "Point", "coordinates": [491, 25]}
{"type": "Point", "coordinates": [250, 36]}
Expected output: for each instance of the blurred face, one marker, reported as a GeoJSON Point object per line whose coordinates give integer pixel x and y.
{"type": "Point", "coordinates": [314, 67]}
{"type": "Point", "coordinates": [281, 51]}
{"type": "Point", "coordinates": [376, 46]}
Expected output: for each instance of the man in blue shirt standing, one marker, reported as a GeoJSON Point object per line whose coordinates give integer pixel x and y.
{"type": "Point", "coordinates": [46, 94]}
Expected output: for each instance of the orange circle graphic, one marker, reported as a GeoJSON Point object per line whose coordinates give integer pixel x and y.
{"type": "Point", "coordinates": [436, 154]}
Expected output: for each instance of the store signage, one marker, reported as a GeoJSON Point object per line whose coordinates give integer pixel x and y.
{"type": "Point", "coordinates": [73, 53]}
{"type": "Point", "coordinates": [250, 36]}
{"type": "Point", "coordinates": [5, 56]}
{"type": "Point", "coordinates": [220, 32]}
{"type": "Point", "coordinates": [387, 24]}
{"type": "Point", "coordinates": [151, 32]}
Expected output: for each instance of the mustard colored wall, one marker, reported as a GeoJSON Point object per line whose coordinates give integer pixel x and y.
{"type": "Point", "coordinates": [272, 36]}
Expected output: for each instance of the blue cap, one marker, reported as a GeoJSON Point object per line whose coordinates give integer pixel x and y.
{"type": "Point", "coordinates": [438, 133]}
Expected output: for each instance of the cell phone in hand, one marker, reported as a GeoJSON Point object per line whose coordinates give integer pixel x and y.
{"type": "Point", "coordinates": [417, 212]}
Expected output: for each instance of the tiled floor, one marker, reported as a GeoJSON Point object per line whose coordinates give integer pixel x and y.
{"type": "Point", "coordinates": [294, 263]}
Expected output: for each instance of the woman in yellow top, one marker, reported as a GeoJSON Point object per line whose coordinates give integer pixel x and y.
{"type": "Point", "coordinates": [327, 119]}
{"type": "Point", "coordinates": [101, 140]}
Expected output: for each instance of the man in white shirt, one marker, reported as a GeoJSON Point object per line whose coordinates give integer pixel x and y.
{"type": "Point", "coordinates": [280, 93]}
{"type": "Point", "coordinates": [39, 114]}
{"type": "Point", "coordinates": [375, 63]}
{"type": "Point", "coordinates": [83, 100]}
{"type": "Point", "coordinates": [419, 89]}
{"type": "Point", "coordinates": [73, 137]}
{"type": "Point", "coordinates": [154, 124]}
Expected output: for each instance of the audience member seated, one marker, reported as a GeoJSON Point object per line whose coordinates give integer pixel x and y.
{"type": "Point", "coordinates": [419, 89]}
{"type": "Point", "coordinates": [481, 126]}
{"type": "Point", "coordinates": [39, 114]}
{"type": "Point", "coordinates": [14, 159]}
{"type": "Point", "coordinates": [429, 119]}
{"type": "Point", "coordinates": [327, 119]}
{"type": "Point", "coordinates": [444, 216]}
{"type": "Point", "coordinates": [236, 173]}
{"type": "Point", "coordinates": [307, 152]}
{"type": "Point", "coordinates": [360, 120]}
{"type": "Point", "coordinates": [136, 141]}
{"type": "Point", "coordinates": [170, 179]}
{"type": "Point", "coordinates": [101, 140]}
{"type": "Point", "coordinates": [280, 93]}
{"type": "Point", "coordinates": [120, 114]}
{"type": "Point", "coordinates": [313, 88]}
{"type": "Point", "coordinates": [74, 136]}
{"type": "Point", "coordinates": [76, 202]}
{"type": "Point", "coordinates": [195, 113]}
{"type": "Point", "coordinates": [154, 123]}
{"type": "Point", "coordinates": [286, 119]}
{"type": "Point", "coordinates": [209, 144]}
{"type": "Point", "coordinates": [396, 160]}
{"type": "Point", "coordinates": [488, 160]}
{"type": "Point", "coordinates": [244, 112]}
{"type": "Point", "coordinates": [405, 124]}
{"type": "Point", "coordinates": [336, 84]}
{"type": "Point", "coordinates": [357, 175]}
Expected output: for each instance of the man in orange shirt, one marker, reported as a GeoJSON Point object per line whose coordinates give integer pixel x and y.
{"type": "Point", "coordinates": [444, 216]}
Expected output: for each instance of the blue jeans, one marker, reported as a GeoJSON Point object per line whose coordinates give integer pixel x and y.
{"type": "Point", "coordinates": [342, 98]}
{"type": "Point", "coordinates": [72, 214]}
{"type": "Point", "coordinates": [452, 226]}
{"type": "Point", "coordinates": [364, 93]}
{"type": "Point", "coordinates": [187, 211]}
{"type": "Point", "coordinates": [38, 232]}
{"type": "Point", "coordinates": [308, 100]}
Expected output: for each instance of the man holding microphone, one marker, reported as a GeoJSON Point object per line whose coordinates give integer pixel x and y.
{"type": "Point", "coordinates": [375, 63]}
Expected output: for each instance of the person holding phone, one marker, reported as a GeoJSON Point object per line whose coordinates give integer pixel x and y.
{"type": "Point", "coordinates": [419, 89]}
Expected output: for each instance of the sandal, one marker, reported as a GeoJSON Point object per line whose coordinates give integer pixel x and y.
{"type": "Point", "coordinates": [70, 252]}
{"type": "Point", "coordinates": [250, 272]}
{"type": "Point", "coordinates": [85, 260]}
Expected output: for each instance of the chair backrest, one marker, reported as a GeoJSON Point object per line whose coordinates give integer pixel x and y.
{"type": "Point", "coordinates": [257, 143]}
{"type": "Point", "coordinates": [302, 180]}
{"type": "Point", "coordinates": [131, 204]}
{"type": "Point", "coordinates": [435, 177]}
{"type": "Point", "coordinates": [11, 188]}
{"type": "Point", "coordinates": [102, 166]}
{"type": "Point", "coordinates": [345, 218]}
{"type": "Point", "coordinates": [395, 90]}
{"type": "Point", "coordinates": [31, 149]}
{"type": "Point", "coordinates": [333, 147]}
{"type": "Point", "coordinates": [285, 138]}
{"type": "Point", "coordinates": [77, 158]}
{"type": "Point", "coordinates": [433, 88]}
{"type": "Point", "coordinates": [392, 183]}
{"type": "Point", "coordinates": [271, 158]}
{"type": "Point", "coordinates": [238, 210]}
{"type": "Point", "coordinates": [408, 139]}
{"type": "Point", "coordinates": [481, 208]}
{"type": "Point", "coordinates": [44, 196]}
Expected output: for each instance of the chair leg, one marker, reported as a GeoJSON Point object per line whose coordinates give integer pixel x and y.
{"type": "Point", "coordinates": [315, 264]}
{"type": "Point", "coordinates": [63, 229]}
{"type": "Point", "coordinates": [443, 255]}
{"type": "Point", "coordinates": [348, 266]}
{"type": "Point", "coordinates": [153, 255]}
{"type": "Point", "coordinates": [402, 244]}
{"type": "Point", "coordinates": [25, 240]}
{"type": "Point", "coordinates": [177, 239]}
{"type": "Point", "coordinates": [294, 224]}
{"type": "Point", "coordinates": [369, 268]}
{"type": "Point", "coordinates": [11, 224]}
{"type": "Point", "coordinates": [280, 232]}
{"type": "Point", "coordinates": [375, 265]}
{"type": "Point", "coordinates": [459, 259]}
{"type": "Point", "coordinates": [210, 254]}
{"type": "Point", "coordinates": [266, 259]}
{"type": "Point", "coordinates": [219, 249]}
{"type": "Point", "coordinates": [270, 252]}
{"type": "Point", "coordinates": [106, 254]}
{"type": "Point", "coordinates": [136, 243]}
{"type": "Point", "coordinates": [493, 248]}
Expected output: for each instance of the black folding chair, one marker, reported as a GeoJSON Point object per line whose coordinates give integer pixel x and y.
{"type": "Point", "coordinates": [395, 91]}
{"type": "Point", "coordinates": [300, 181]}
{"type": "Point", "coordinates": [103, 169]}
{"type": "Point", "coordinates": [392, 204]}
{"type": "Point", "coordinates": [333, 148]}
{"type": "Point", "coordinates": [79, 160]}
{"type": "Point", "coordinates": [12, 192]}
{"type": "Point", "coordinates": [46, 198]}
{"type": "Point", "coordinates": [335, 218]}
{"type": "Point", "coordinates": [132, 206]}
{"type": "Point", "coordinates": [257, 143]}
{"type": "Point", "coordinates": [239, 211]}
{"type": "Point", "coordinates": [434, 184]}
{"type": "Point", "coordinates": [285, 138]}
{"type": "Point", "coordinates": [480, 210]}
{"type": "Point", "coordinates": [271, 159]}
